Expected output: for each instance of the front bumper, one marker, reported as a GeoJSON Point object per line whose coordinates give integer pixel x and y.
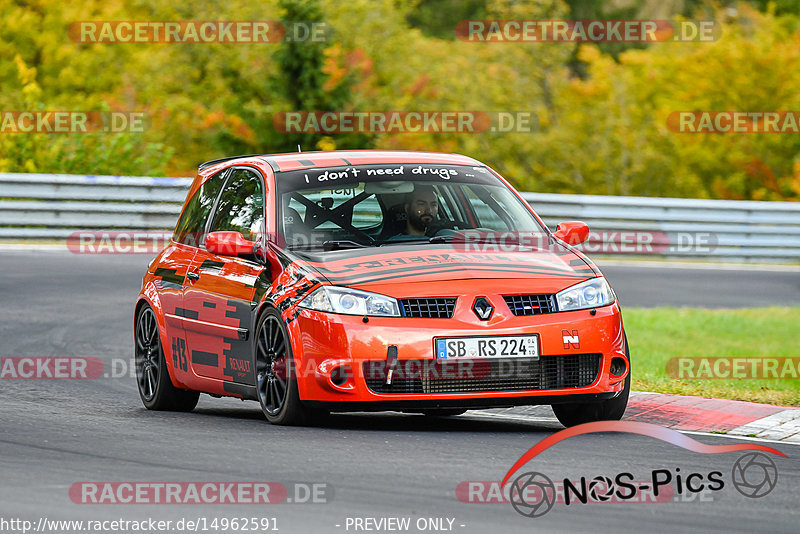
{"type": "Point", "coordinates": [330, 352]}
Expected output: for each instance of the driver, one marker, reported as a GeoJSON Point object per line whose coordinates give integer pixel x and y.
{"type": "Point", "coordinates": [422, 207]}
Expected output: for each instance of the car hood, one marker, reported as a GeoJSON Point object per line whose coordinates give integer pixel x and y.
{"type": "Point", "coordinates": [402, 264]}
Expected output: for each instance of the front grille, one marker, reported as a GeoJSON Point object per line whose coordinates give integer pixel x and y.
{"type": "Point", "coordinates": [531, 304]}
{"type": "Point", "coordinates": [432, 308]}
{"type": "Point", "coordinates": [484, 375]}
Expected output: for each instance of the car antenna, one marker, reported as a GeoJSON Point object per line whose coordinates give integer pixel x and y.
{"type": "Point", "coordinates": [298, 148]}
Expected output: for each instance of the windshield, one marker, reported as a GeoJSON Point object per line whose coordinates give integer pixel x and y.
{"type": "Point", "coordinates": [377, 205]}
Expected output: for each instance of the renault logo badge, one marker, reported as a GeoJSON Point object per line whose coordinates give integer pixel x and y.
{"type": "Point", "coordinates": [483, 308]}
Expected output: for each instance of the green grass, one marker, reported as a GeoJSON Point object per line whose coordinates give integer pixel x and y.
{"type": "Point", "coordinates": [658, 334]}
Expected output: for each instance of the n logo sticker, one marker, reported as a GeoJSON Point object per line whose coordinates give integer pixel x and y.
{"type": "Point", "coordinates": [571, 339]}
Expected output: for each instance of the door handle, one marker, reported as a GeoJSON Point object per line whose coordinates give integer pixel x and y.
{"type": "Point", "coordinates": [193, 275]}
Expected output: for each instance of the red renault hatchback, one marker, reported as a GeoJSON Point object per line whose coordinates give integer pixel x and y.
{"type": "Point", "coordinates": [342, 281]}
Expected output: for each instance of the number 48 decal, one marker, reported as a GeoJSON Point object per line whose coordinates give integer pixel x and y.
{"type": "Point", "coordinates": [179, 353]}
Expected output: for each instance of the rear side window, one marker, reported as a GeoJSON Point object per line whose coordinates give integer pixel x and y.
{"type": "Point", "coordinates": [241, 205]}
{"type": "Point", "coordinates": [193, 221]}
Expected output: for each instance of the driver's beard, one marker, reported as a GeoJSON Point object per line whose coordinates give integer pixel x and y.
{"type": "Point", "coordinates": [416, 222]}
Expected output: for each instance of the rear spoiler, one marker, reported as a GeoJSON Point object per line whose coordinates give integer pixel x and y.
{"type": "Point", "coordinates": [208, 164]}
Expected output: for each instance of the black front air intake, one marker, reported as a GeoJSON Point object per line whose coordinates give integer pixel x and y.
{"type": "Point", "coordinates": [531, 304]}
{"type": "Point", "coordinates": [428, 308]}
{"type": "Point", "coordinates": [563, 371]}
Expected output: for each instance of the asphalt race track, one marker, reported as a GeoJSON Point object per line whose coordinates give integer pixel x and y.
{"type": "Point", "coordinates": [56, 433]}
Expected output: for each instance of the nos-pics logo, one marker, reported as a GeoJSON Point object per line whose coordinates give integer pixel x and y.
{"type": "Point", "coordinates": [533, 494]}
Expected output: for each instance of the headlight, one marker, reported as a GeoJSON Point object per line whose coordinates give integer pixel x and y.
{"type": "Point", "coordinates": [588, 294]}
{"type": "Point", "coordinates": [350, 301]}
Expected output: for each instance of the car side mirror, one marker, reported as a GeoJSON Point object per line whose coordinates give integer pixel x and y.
{"type": "Point", "coordinates": [572, 232]}
{"type": "Point", "coordinates": [229, 244]}
{"type": "Point", "coordinates": [268, 258]}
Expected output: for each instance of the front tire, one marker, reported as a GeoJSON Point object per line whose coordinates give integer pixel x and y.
{"type": "Point", "coordinates": [276, 379]}
{"type": "Point", "coordinates": [155, 386]}
{"type": "Point", "coordinates": [577, 413]}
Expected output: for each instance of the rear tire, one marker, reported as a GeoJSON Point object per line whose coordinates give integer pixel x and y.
{"type": "Point", "coordinates": [152, 376]}
{"type": "Point", "coordinates": [577, 413]}
{"type": "Point", "coordinates": [276, 379]}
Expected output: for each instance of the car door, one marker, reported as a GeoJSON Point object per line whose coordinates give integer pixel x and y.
{"type": "Point", "coordinates": [174, 264]}
{"type": "Point", "coordinates": [220, 289]}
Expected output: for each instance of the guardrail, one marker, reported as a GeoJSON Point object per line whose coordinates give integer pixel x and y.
{"type": "Point", "coordinates": [730, 230]}
{"type": "Point", "coordinates": [54, 206]}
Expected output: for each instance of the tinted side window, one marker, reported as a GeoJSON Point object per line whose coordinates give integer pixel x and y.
{"type": "Point", "coordinates": [193, 221]}
{"type": "Point", "coordinates": [241, 205]}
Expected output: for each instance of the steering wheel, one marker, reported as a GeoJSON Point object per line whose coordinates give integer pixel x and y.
{"type": "Point", "coordinates": [437, 227]}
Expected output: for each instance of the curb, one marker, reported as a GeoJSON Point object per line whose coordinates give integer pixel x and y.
{"type": "Point", "coordinates": [690, 414]}
{"type": "Point", "coordinates": [698, 414]}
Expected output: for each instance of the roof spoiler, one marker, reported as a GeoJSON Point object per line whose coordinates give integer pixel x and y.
{"type": "Point", "coordinates": [208, 164]}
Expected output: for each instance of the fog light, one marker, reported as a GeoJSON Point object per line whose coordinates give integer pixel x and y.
{"type": "Point", "coordinates": [618, 366]}
{"type": "Point", "coordinates": [340, 375]}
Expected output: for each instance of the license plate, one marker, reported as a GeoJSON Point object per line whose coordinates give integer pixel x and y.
{"type": "Point", "coordinates": [487, 347]}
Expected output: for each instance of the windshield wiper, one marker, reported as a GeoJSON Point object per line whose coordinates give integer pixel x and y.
{"type": "Point", "coordinates": [422, 240]}
{"type": "Point", "coordinates": [340, 244]}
